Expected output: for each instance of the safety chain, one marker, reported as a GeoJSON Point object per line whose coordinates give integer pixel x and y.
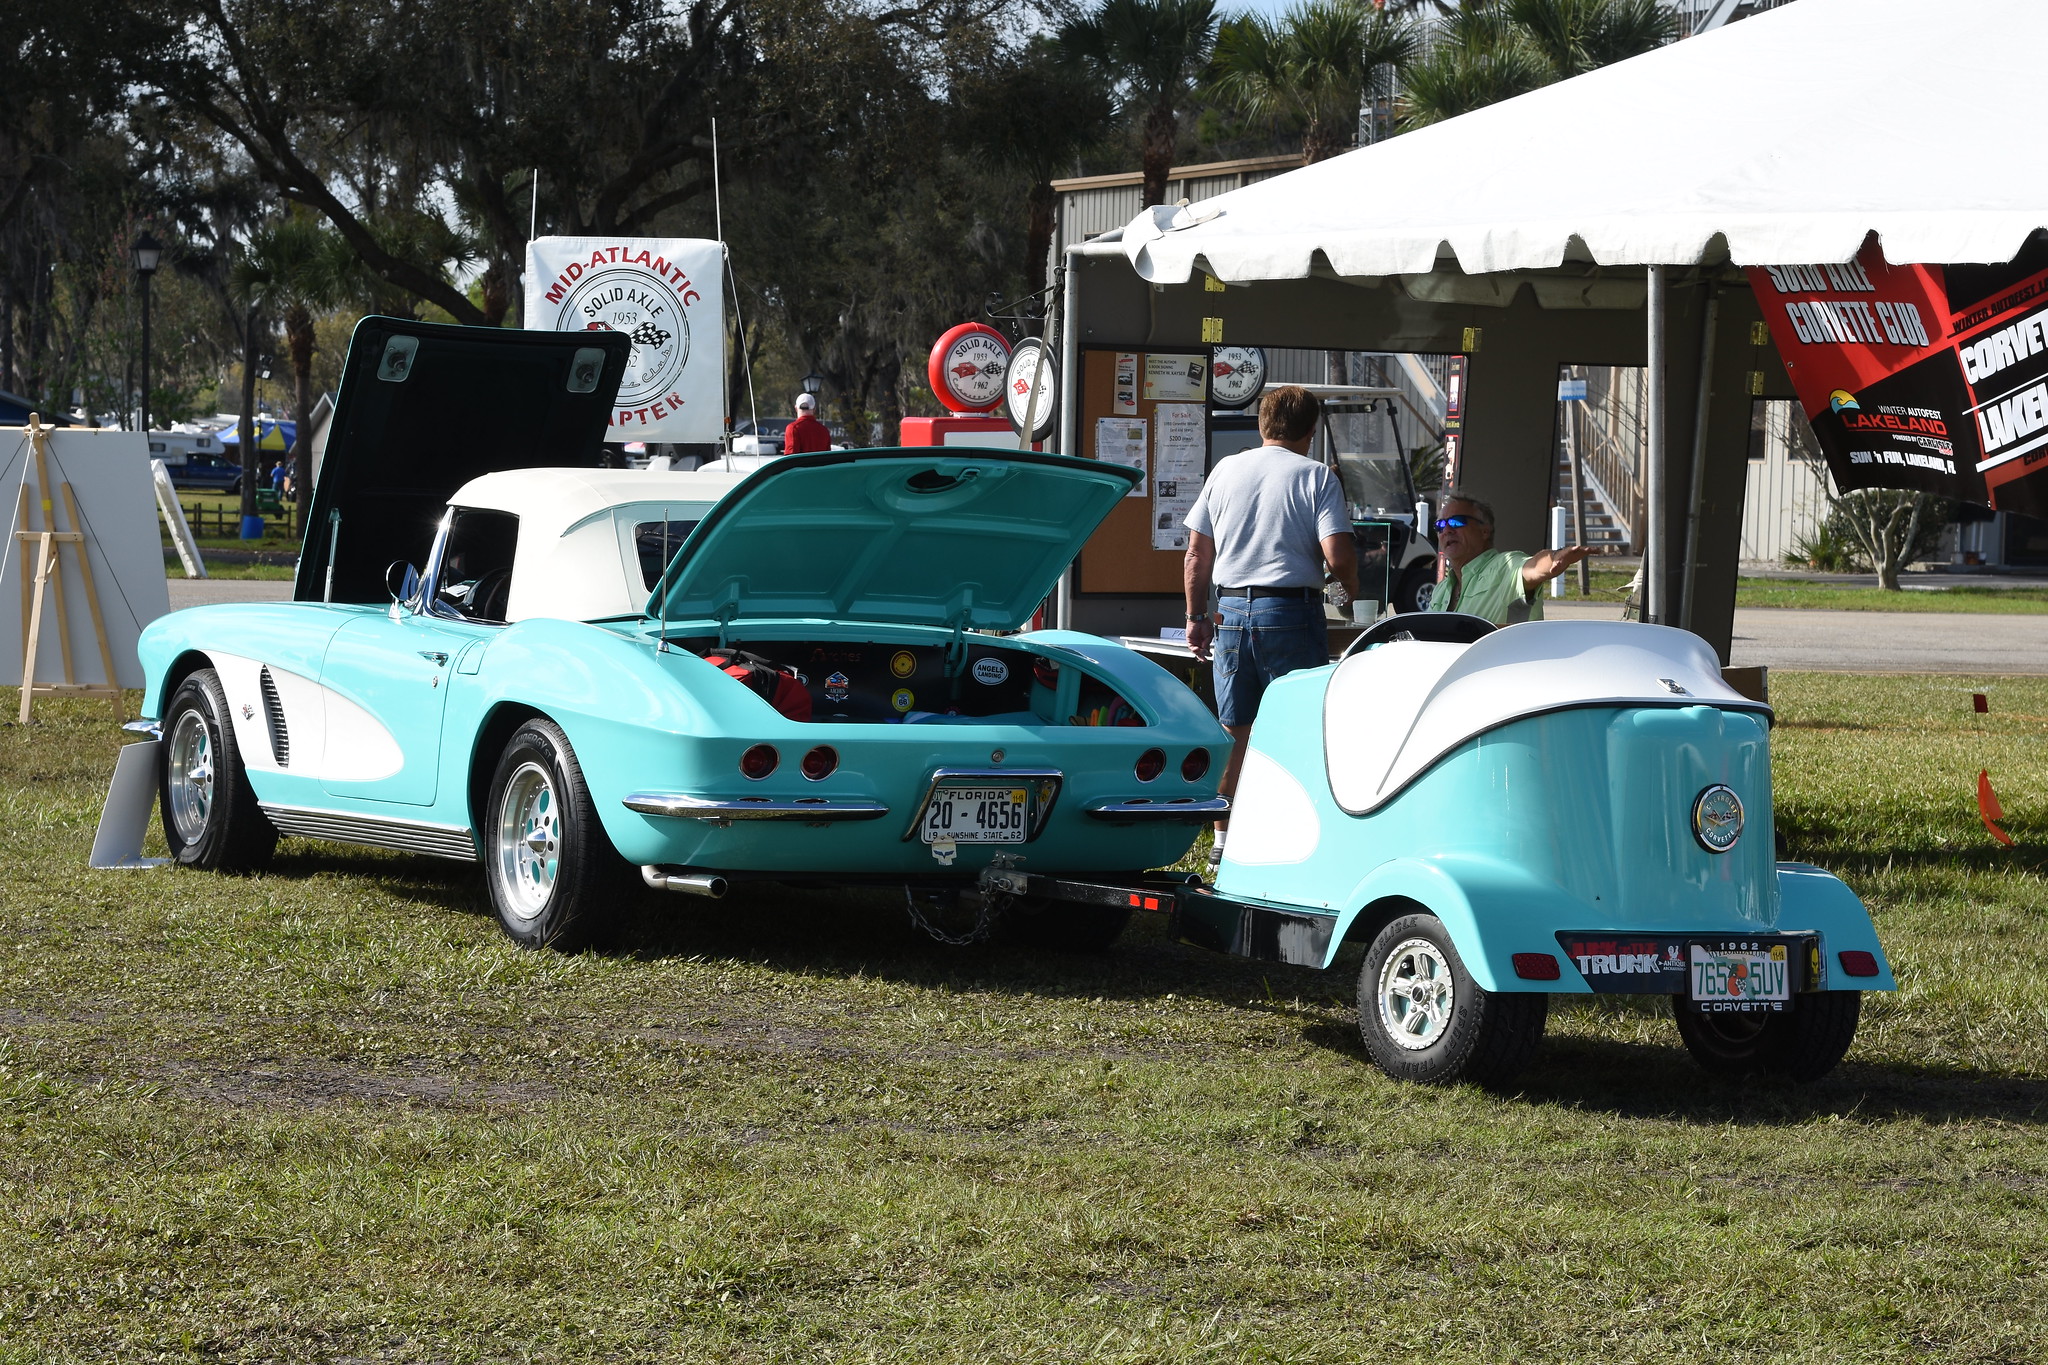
{"type": "Point", "coordinates": [993, 903]}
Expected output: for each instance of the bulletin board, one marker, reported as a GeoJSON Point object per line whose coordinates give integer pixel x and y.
{"type": "Point", "coordinates": [1146, 410]}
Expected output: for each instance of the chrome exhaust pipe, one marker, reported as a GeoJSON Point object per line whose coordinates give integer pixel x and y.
{"type": "Point", "coordinates": [690, 884]}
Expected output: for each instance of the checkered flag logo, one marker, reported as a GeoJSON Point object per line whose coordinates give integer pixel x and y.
{"type": "Point", "coordinates": [647, 334]}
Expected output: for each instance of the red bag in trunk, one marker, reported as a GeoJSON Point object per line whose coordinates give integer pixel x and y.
{"type": "Point", "coordinates": [782, 689]}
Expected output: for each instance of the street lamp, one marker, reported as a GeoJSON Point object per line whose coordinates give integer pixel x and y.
{"type": "Point", "coordinates": [813, 382]}
{"type": "Point", "coordinates": [147, 253]}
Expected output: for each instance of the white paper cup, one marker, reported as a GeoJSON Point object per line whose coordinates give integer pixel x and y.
{"type": "Point", "coordinates": [1364, 611]}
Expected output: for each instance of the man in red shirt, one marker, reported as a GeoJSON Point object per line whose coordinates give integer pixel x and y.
{"type": "Point", "coordinates": [806, 433]}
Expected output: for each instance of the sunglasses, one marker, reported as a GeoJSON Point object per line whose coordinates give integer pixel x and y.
{"type": "Point", "coordinates": [1451, 523]}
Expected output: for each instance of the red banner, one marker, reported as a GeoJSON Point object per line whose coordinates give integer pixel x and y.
{"type": "Point", "coordinates": [1921, 376]}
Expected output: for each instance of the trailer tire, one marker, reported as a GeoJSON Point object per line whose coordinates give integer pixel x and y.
{"type": "Point", "coordinates": [1423, 1018]}
{"type": "Point", "coordinates": [1063, 926]}
{"type": "Point", "coordinates": [1802, 1044]}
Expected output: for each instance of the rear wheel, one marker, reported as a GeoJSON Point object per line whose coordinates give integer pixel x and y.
{"type": "Point", "coordinates": [1423, 1018]}
{"type": "Point", "coordinates": [1803, 1043]}
{"type": "Point", "coordinates": [209, 810]}
{"type": "Point", "coordinates": [554, 877]}
{"type": "Point", "coordinates": [1417, 585]}
{"type": "Point", "coordinates": [1063, 926]}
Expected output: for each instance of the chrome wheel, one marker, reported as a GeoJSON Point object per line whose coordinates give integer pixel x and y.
{"type": "Point", "coordinates": [188, 777]}
{"type": "Point", "coordinates": [1416, 994]}
{"type": "Point", "coordinates": [528, 841]}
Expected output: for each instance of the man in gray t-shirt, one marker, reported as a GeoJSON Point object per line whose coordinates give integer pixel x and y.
{"type": "Point", "coordinates": [1266, 522]}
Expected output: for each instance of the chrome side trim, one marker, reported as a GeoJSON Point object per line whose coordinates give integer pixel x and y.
{"type": "Point", "coordinates": [1045, 794]}
{"type": "Point", "coordinates": [804, 810]}
{"type": "Point", "coordinates": [407, 836]}
{"type": "Point", "coordinates": [1143, 810]}
{"type": "Point", "coordinates": [153, 728]}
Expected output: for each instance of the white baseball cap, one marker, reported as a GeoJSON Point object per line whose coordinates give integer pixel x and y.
{"type": "Point", "coordinates": [806, 402]}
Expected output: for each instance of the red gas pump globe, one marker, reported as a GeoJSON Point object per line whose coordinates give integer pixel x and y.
{"type": "Point", "coordinates": [966, 369]}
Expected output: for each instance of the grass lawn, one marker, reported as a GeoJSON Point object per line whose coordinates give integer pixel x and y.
{"type": "Point", "coordinates": [1611, 585]}
{"type": "Point", "coordinates": [330, 1113]}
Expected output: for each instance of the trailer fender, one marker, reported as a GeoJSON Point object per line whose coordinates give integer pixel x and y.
{"type": "Point", "coordinates": [1491, 909]}
{"type": "Point", "coordinates": [1809, 898]}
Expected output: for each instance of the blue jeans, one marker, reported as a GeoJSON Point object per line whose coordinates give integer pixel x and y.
{"type": "Point", "coordinates": [1259, 639]}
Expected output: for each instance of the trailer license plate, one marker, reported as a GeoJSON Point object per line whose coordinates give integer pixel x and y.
{"type": "Point", "coordinates": [976, 815]}
{"type": "Point", "coordinates": [1746, 979]}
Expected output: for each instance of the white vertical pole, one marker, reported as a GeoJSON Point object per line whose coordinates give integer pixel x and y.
{"type": "Point", "coordinates": [1653, 486]}
{"type": "Point", "coordinates": [1070, 408]}
{"type": "Point", "coordinates": [1560, 530]}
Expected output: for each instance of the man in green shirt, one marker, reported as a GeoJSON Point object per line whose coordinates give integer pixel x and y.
{"type": "Point", "coordinates": [1504, 586]}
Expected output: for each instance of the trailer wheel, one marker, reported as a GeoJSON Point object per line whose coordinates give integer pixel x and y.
{"type": "Point", "coordinates": [1064, 926]}
{"type": "Point", "coordinates": [1423, 1018]}
{"type": "Point", "coordinates": [1803, 1043]}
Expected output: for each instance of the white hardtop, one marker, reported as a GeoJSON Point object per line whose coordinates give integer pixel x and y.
{"type": "Point", "coordinates": [1392, 711]}
{"type": "Point", "coordinates": [577, 558]}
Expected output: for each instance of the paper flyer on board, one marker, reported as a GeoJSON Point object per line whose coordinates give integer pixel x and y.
{"type": "Point", "coordinates": [1177, 450]}
{"type": "Point", "coordinates": [1176, 378]}
{"type": "Point", "coordinates": [1121, 440]}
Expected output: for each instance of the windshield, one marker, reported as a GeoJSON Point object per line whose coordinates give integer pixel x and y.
{"type": "Point", "coordinates": [1370, 462]}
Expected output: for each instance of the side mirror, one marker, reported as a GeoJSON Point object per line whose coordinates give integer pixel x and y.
{"type": "Point", "coordinates": [402, 581]}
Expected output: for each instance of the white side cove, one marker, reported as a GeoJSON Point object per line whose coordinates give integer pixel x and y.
{"type": "Point", "coordinates": [1272, 818]}
{"type": "Point", "coordinates": [1390, 712]}
{"type": "Point", "coordinates": [328, 736]}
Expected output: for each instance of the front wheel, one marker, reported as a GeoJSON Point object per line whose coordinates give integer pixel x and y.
{"type": "Point", "coordinates": [1423, 1018]}
{"type": "Point", "coordinates": [1803, 1043]}
{"type": "Point", "coordinates": [554, 876]}
{"type": "Point", "coordinates": [209, 810]}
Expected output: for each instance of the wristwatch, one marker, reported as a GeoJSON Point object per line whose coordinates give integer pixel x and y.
{"type": "Point", "coordinates": [1198, 616]}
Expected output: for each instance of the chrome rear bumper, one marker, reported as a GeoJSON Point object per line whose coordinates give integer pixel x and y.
{"type": "Point", "coordinates": [1143, 810]}
{"type": "Point", "coordinates": [804, 810]}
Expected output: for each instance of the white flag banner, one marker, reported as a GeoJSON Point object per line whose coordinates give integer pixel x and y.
{"type": "Point", "coordinates": [664, 293]}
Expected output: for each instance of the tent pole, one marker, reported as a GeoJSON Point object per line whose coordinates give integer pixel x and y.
{"type": "Point", "coordinates": [1653, 484]}
{"type": "Point", "coordinates": [1701, 398]}
{"type": "Point", "coordinates": [1070, 409]}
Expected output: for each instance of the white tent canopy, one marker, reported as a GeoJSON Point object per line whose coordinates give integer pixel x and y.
{"type": "Point", "coordinates": [1781, 140]}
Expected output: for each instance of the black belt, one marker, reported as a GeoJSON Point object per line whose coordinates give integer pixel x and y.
{"type": "Point", "coordinates": [1292, 594]}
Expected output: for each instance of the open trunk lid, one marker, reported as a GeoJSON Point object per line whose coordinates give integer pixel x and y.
{"type": "Point", "coordinates": [965, 539]}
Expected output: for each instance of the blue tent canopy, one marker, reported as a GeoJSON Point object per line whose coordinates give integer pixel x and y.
{"type": "Point", "coordinates": [271, 435]}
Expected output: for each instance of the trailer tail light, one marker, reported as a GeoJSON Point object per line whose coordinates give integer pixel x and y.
{"type": "Point", "coordinates": [1536, 966]}
{"type": "Point", "coordinates": [821, 762]}
{"type": "Point", "coordinates": [759, 761]}
{"type": "Point", "coordinates": [1196, 765]}
{"type": "Point", "coordinates": [1150, 764]}
{"type": "Point", "coordinates": [1856, 962]}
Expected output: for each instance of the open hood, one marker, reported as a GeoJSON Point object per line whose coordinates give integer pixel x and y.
{"type": "Point", "coordinates": [426, 407]}
{"type": "Point", "coordinates": [963, 538]}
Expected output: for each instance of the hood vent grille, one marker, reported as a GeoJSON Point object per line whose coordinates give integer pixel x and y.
{"type": "Point", "coordinates": [273, 715]}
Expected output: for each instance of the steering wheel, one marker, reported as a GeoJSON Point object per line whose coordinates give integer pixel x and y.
{"type": "Point", "coordinates": [1440, 627]}
{"type": "Point", "coordinates": [487, 599]}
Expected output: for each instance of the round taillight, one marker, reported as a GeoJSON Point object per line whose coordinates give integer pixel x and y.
{"type": "Point", "coordinates": [820, 762]}
{"type": "Point", "coordinates": [1150, 764]}
{"type": "Point", "coordinates": [759, 761]}
{"type": "Point", "coordinates": [1196, 765]}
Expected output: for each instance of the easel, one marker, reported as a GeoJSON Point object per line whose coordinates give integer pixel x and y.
{"type": "Point", "coordinates": [40, 551]}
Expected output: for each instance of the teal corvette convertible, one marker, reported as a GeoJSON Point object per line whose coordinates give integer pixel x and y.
{"type": "Point", "coordinates": [582, 678]}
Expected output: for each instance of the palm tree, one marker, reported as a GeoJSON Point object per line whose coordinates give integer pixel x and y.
{"type": "Point", "coordinates": [1492, 50]}
{"type": "Point", "coordinates": [1151, 53]}
{"type": "Point", "coordinates": [1034, 112]}
{"type": "Point", "coordinates": [1309, 69]}
{"type": "Point", "coordinates": [295, 269]}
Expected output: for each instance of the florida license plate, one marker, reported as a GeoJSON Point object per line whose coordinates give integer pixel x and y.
{"type": "Point", "coordinates": [976, 815]}
{"type": "Point", "coordinates": [1741, 979]}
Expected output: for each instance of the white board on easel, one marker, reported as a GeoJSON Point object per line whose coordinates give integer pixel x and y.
{"type": "Point", "coordinates": [110, 481]}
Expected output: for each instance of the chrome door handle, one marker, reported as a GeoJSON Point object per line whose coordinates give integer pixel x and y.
{"type": "Point", "coordinates": [440, 659]}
